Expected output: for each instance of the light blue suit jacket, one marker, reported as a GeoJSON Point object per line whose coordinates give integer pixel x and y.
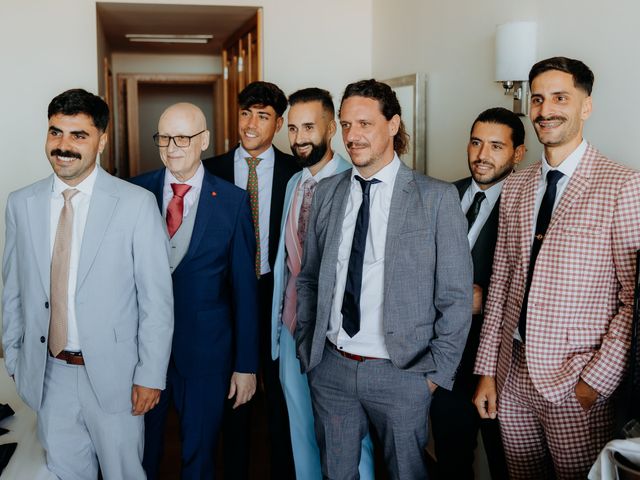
{"type": "Point", "coordinates": [280, 271]}
{"type": "Point", "coordinates": [124, 300]}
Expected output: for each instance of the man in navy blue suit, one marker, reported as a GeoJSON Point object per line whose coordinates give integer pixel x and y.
{"type": "Point", "coordinates": [215, 342]}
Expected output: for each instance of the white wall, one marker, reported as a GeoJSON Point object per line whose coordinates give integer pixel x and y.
{"type": "Point", "coordinates": [452, 42]}
{"type": "Point", "coordinates": [47, 47]}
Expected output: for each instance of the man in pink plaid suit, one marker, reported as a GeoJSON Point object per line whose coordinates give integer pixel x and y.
{"type": "Point", "coordinates": [556, 335]}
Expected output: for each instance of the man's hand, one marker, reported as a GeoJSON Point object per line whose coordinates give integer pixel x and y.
{"type": "Point", "coordinates": [432, 386]}
{"type": "Point", "coordinates": [586, 395]}
{"type": "Point", "coordinates": [243, 386]}
{"type": "Point", "coordinates": [144, 399]}
{"type": "Point", "coordinates": [477, 299]}
{"type": "Point", "coordinates": [485, 397]}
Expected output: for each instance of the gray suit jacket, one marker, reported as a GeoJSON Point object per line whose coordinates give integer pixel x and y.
{"type": "Point", "coordinates": [427, 275]}
{"type": "Point", "coordinates": [124, 300]}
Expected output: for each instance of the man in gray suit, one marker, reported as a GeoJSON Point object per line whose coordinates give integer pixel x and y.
{"type": "Point", "coordinates": [87, 300]}
{"type": "Point", "coordinates": [384, 294]}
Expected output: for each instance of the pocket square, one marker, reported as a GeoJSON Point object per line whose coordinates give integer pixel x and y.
{"type": "Point", "coordinates": [6, 451]}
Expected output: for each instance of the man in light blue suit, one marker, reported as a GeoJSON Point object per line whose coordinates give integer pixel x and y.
{"type": "Point", "coordinates": [87, 300]}
{"type": "Point", "coordinates": [311, 126]}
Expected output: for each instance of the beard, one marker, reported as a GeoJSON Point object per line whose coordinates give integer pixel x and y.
{"type": "Point", "coordinates": [314, 156]}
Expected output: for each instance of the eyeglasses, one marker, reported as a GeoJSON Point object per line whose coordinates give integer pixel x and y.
{"type": "Point", "coordinates": [181, 141]}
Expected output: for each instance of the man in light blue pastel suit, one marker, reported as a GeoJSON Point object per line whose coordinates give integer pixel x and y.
{"type": "Point", "coordinates": [311, 126]}
{"type": "Point", "coordinates": [87, 300]}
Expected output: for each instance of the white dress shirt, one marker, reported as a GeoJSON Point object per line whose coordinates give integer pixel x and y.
{"type": "Point", "coordinates": [265, 183]}
{"type": "Point", "coordinates": [369, 341]}
{"type": "Point", "coordinates": [192, 195]}
{"type": "Point", "coordinates": [486, 207]}
{"type": "Point", "coordinates": [327, 171]}
{"type": "Point", "coordinates": [80, 203]}
{"type": "Point", "coordinates": [567, 167]}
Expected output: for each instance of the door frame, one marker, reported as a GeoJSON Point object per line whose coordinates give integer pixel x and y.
{"type": "Point", "coordinates": [128, 112]}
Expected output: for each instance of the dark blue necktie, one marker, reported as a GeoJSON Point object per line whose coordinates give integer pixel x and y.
{"type": "Point", "coordinates": [542, 223]}
{"type": "Point", "coordinates": [352, 289]}
{"type": "Point", "coordinates": [474, 209]}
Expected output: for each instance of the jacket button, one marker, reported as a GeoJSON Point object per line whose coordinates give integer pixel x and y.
{"type": "Point", "coordinates": [46, 304]}
{"type": "Point", "coordinates": [42, 339]}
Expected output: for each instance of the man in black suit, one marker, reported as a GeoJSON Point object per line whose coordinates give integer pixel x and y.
{"type": "Point", "coordinates": [496, 146]}
{"type": "Point", "coordinates": [263, 170]}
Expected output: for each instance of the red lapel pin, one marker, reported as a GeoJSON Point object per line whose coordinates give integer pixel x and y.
{"type": "Point", "coordinates": [213, 194]}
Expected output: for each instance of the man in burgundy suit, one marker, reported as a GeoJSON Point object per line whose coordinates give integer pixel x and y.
{"type": "Point", "coordinates": [555, 340]}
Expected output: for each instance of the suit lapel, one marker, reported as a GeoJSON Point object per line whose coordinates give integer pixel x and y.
{"type": "Point", "coordinates": [38, 211]}
{"type": "Point", "coordinates": [488, 231]}
{"type": "Point", "coordinates": [527, 208]}
{"type": "Point", "coordinates": [157, 187]}
{"type": "Point", "coordinates": [578, 184]}
{"type": "Point", "coordinates": [278, 188]}
{"type": "Point", "coordinates": [227, 169]}
{"type": "Point", "coordinates": [402, 189]}
{"type": "Point", "coordinates": [334, 228]}
{"type": "Point", "coordinates": [206, 206]}
{"type": "Point", "coordinates": [103, 203]}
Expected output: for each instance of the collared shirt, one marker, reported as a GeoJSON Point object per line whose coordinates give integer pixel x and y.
{"type": "Point", "coordinates": [369, 341]}
{"type": "Point", "coordinates": [265, 183]}
{"type": "Point", "coordinates": [327, 171]}
{"type": "Point", "coordinates": [486, 207]}
{"type": "Point", "coordinates": [192, 195]}
{"type": "Point", "coordinates": [80, 203]}
{"type": "Point", "coordinates": [568, 166]}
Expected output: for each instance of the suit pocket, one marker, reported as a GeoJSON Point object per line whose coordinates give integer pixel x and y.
{"type": "Point", "coordinates": [585, 337]}
{"type": "Point", "coordinates": [582, 230]}
{"type": "Point", "coordinates": [126, 332]}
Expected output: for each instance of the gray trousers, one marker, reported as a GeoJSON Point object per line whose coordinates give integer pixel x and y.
{"type": "Point", "coordinates": [77, 434]}
{"type": "Point", "coordinates": [347, 395]}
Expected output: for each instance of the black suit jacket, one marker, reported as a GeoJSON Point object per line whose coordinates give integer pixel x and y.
{"type": "Point", "coordinates": [482, 256]}
{"type": "Point", "coordinates": [284, 168]}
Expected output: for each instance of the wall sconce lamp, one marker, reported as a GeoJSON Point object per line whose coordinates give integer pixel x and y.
{"type": "Point", "coordinates": [515, 55]}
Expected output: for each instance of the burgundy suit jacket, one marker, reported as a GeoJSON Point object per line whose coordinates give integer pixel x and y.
{"type": "Point", "coordinates": [581, 296]}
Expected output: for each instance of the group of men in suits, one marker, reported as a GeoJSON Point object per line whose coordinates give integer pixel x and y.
{"type": "Point", "coordinates": [359, 292]}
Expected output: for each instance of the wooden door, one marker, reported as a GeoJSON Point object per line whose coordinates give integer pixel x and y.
{"type": "Point", "coordinates": [242, 63]}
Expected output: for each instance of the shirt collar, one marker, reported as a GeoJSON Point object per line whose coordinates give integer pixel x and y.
{"type": "Point", "coordinates": [85, 186]}
{"type": "Point", "coordinates": [195, 181]}
{"type": "Point", "coordinates": [387, 174]}
{"type": "Point", "coordinates": [492, 193]}
{"type": "Point", "coordinates": [569, 164]}
{"type": "Point", "coordinates": [266, 157]}
{"type": "Point", "coordinates": [326, 171]}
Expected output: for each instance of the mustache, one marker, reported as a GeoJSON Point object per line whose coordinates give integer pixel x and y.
{"type": "Point", "coordinates": [56, 152]}
{"type": "Point", "coordinates": [356, 144]}
{"type": "Point", "coordinates": [540, 118]}
{"type": "Point", "coordinates": [302, 145]}
{"type": "Point", "coordinates": [482, 162]}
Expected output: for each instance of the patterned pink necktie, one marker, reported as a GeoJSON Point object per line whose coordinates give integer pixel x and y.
{"type": "Point", "coordinates": [308, 187]}
{"type": "Point", "coordinates": [60, 260]}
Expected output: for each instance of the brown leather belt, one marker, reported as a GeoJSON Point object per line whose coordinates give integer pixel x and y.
{"type": "Point", "coordinates": [72, 358]}
{"type": "Point", "coordinates": [351, 356]}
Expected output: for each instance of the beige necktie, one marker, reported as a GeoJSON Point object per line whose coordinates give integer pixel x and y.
{"type": "Point", "coordinates": [60, 275]}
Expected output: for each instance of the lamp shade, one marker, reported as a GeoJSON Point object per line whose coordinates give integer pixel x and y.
{"type": "Point", "coordinates": [515, 50]}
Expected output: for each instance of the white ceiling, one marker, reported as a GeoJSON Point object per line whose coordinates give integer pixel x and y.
{"type": "Point", "coordinates": [118, 19]}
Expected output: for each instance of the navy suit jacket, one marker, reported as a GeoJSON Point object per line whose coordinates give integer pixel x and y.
{"type": "Point", "coordinates": [214, 286]}
{"type": "Point", "coordinates": [284, 168]}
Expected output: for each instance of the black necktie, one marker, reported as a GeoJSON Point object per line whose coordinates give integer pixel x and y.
{"type": "Point", "coordinates": [542, 222]}
{"type": "Point", "coordinates": [474, 209]}
{"type": "Point", "coordinates": [352, 289]}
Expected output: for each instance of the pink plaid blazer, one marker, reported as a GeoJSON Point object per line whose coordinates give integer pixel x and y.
{"type": "Point", "coordinates": [581, 297]}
